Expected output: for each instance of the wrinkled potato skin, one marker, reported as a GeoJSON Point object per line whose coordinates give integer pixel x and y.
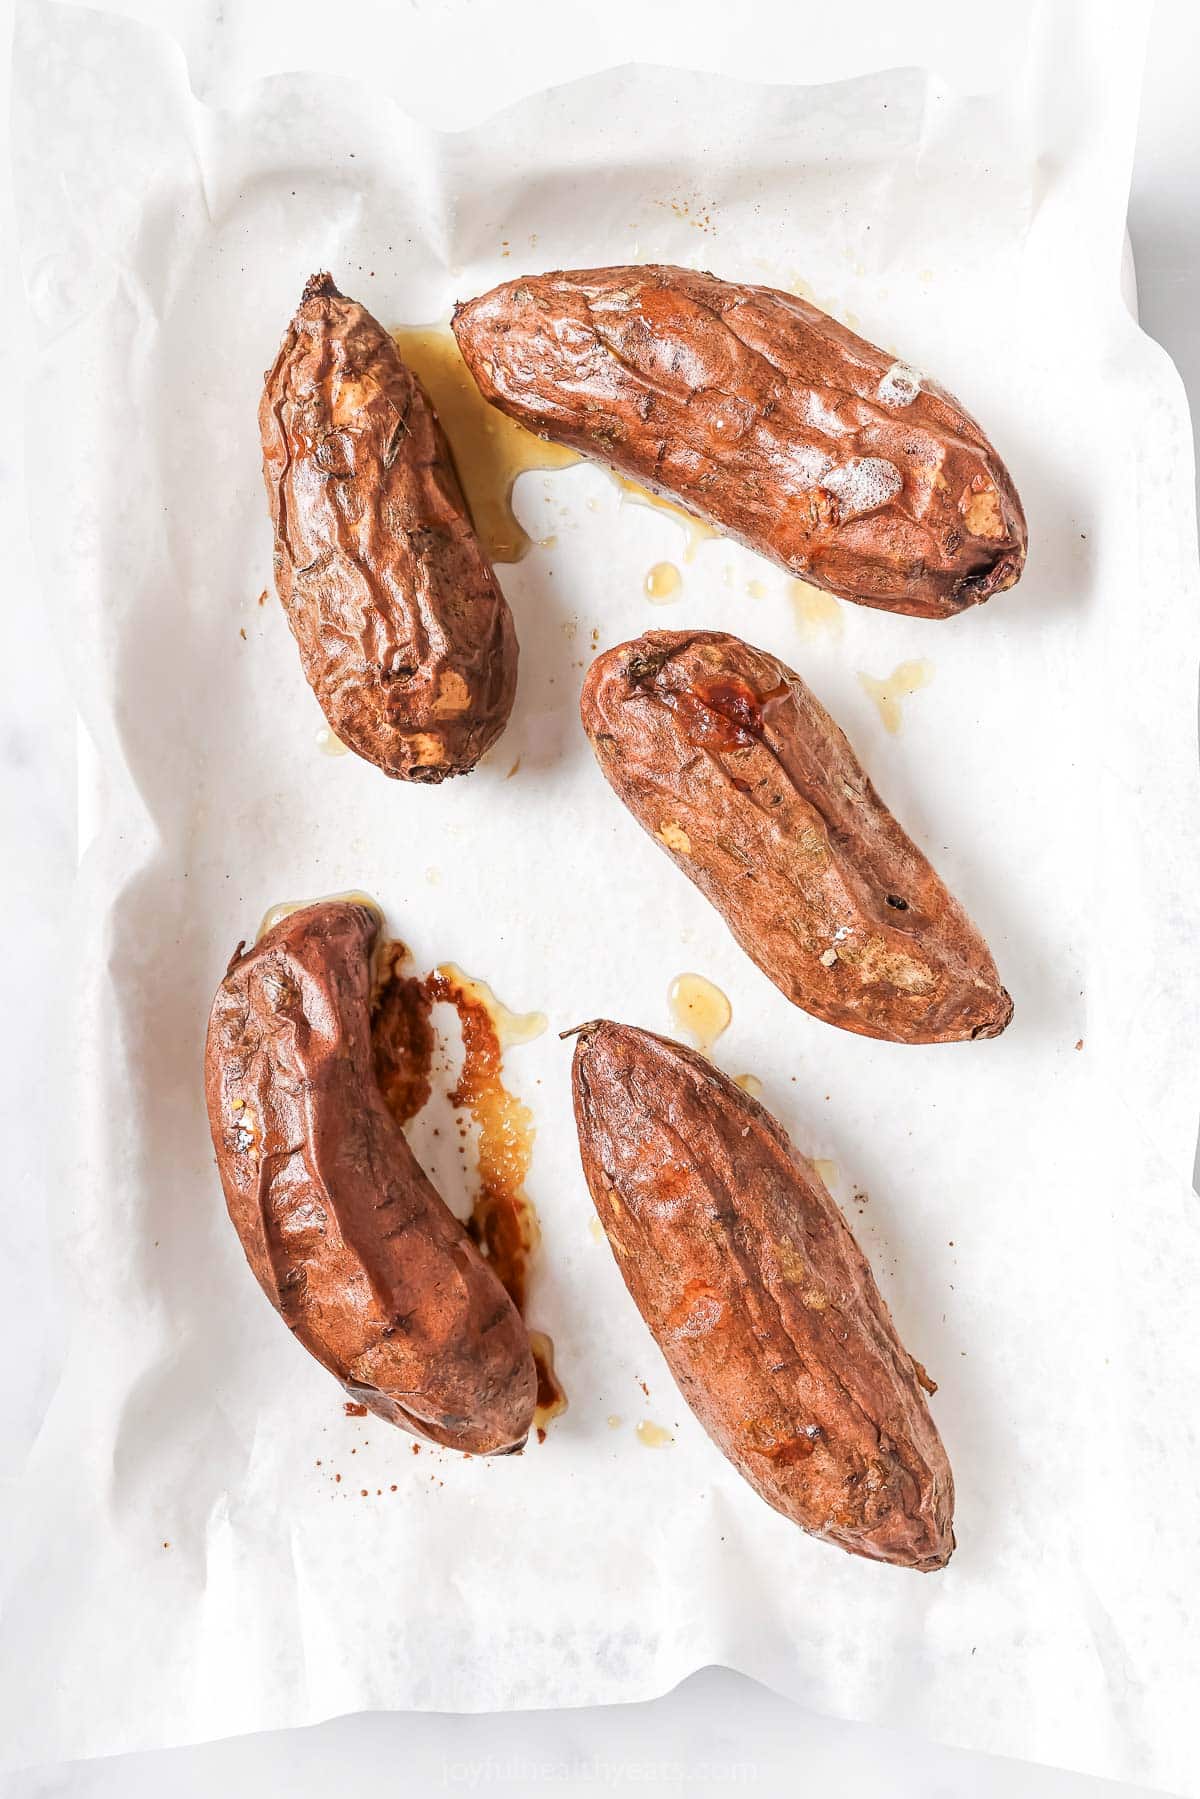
{"type": "Point", "coordinates": [404, 634]}
{"type": "Point", "coordinates": [725, 757]}
{"type": "Point", "coordinates": [755, 411]}
{"type": "Point", "coordinates": [347, 1237]}
{"type": "Point", "coordinates": [760, 1299]}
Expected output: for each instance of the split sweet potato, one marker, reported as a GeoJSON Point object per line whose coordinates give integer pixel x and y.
{"type": "Point", "coordinates": [346, 1235]}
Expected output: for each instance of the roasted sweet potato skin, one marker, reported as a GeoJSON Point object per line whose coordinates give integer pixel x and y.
{"type": "Point", "coordinates": [755, 411]}
{"type": "Point", "coordinates": [726, 758]}
{"type": "Point", "coordinates": [404, 634]}
{"type": "Point", "coordinates": [347, 1237]}
{"type": "Point", "coordinates": [759, 1298]}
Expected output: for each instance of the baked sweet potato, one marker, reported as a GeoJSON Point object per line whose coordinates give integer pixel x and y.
{"type": "Point", "coordinates": [345, 1234]}
{"type": "Point", "coordinates": [755, 411]}
{"type": "Point", "coordinates": [404, 634]}
{"type": "Point", "coordinates": [760, 1299]}
{"type": "Point", "coordinates": [724, 756]}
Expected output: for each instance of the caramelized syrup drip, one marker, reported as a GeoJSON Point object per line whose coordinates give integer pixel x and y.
{"type": "Point", "coordinates": [899, 686]}
{"type": "Point", "coordinates": [696, 530]}
{"type": "Point", "coordinates": [490, 449]}
{"type": "Point", "coordinates": [551, 1398]}
{"type": "Point", "coordinates": [699, 1009]}
{"type": "Point", "coordinates": [653, 1436]}
{"type": "Point", "coordinates": [816, 611]}
{"type": "Point", "coordinates": [662, 583]}
{"type": "Point", "coordinates": [503, 1220]}
{"type": "Point", "coordinates": [284, 908]}
{"type": "Point", "coordinates": [827, 1171]}
{"type": "Point", "coordinates": [401, 1035]}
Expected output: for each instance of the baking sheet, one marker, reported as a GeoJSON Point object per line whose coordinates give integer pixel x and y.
{"type": "Point", "coordinates": [181, 1560]}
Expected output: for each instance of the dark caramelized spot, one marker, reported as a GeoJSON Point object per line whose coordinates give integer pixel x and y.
{"type": "Point", "coordinates": [722, 714]}
{"type": "Point", "coordinates": [898, 904]}
{"type": "Point", "coordinates": [401, 1035]}
{"type": "Point", "coordinates": [792, 1449]}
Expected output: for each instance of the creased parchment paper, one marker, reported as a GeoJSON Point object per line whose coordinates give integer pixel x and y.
{"type": "Point", "coordinates": [181, 1560]}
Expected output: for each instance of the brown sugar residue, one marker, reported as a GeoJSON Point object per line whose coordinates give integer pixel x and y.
{"type": "Point", "coordinates": [401, 1034]}
{"type": "Point", "coordinates": [352, 1409]}
{"type": "Point", "coordinates": [691, 211]}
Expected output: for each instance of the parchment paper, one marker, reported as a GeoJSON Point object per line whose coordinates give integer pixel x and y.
{"type": "Point", "coordinates": [181, 1560]}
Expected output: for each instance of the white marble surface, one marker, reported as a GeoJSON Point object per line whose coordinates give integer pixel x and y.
{"type": "Point", "coordinates": [718, 1731]}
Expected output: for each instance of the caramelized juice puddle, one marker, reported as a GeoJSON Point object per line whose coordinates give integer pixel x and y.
{"type": "Point", "coordinates": [490, 449]}
{"type": "Point", "coordinates": [503, 1221]}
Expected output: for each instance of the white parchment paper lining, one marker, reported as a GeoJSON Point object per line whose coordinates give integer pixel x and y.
{"type": "Point", "coordinates": [180, 1561]}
